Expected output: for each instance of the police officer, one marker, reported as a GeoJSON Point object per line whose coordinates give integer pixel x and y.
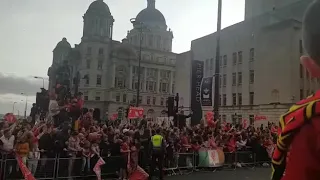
{"type": "Point", "coordinates": [158, 148]}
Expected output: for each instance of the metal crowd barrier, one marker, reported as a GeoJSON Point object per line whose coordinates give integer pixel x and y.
{"type": "Point", "coordinates": [79, 167]}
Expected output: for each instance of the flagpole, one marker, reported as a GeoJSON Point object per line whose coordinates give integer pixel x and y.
{"type": "Point", "coordinates": [217, 65]}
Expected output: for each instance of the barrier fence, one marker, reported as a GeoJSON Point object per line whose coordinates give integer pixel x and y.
{"type": "Point", "coordinates": [81, 167]}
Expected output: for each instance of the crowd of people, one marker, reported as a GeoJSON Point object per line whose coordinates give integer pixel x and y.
{"type": "Point", "coordinates": [71, 133]}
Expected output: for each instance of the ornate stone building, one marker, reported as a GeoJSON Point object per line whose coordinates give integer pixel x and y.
{"type": "Point", "coordinates": [109, 69]}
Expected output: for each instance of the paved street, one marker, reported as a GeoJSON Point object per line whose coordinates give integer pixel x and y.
{"type": "Point", "coordinates": [239, 174]}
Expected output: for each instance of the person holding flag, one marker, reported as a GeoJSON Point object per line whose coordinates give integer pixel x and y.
{"type": "Point", "coordinates": [299, 131]}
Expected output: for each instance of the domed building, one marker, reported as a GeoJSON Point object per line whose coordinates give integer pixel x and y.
{"type": "Point", "coordinates": [108, 69]}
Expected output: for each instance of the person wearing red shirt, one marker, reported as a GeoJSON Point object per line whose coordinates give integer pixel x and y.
{"type": "Point", "coordinates": [299, 131]}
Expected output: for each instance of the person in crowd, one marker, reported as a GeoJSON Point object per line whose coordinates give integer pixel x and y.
{"type": "Point", "coordinates": [299, 132]}
{"type": "Point", "coordinates": [158, 149]}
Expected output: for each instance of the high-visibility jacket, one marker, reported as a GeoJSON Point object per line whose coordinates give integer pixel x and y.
{"type": "Point", "coordinates": [157, 141]}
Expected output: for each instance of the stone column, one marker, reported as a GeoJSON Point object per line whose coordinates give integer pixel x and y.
{"type": "Point", "coordinates": [170, 82]}
{"type": "Point", "coordinates": [113, 74]}
{"type": "Point", "coordinates": [130, 77]}
{"type": "Point", "coordinates": [158, 81]}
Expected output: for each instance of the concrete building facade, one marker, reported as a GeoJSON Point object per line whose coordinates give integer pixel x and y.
{"type": "Point", "coordinates": [260, 72]}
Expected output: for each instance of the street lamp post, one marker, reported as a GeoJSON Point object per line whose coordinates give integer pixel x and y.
{"type": "Point", "coordinates": [13, 107]}
{"type": "Point", "coordinates": [134, 22]}
{"type": "Point", "coordinates": [26, 105]}
{"type": "Point", "coordinates": [217, 65]}
{"type": "Point", "coordinates": [37, 77]}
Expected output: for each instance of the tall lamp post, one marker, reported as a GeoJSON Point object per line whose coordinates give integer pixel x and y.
{"type": "Point", "coordinates": [13, 107]}
{"type": "Point", "coordinates": [134, 22]}
{"type": "Point", "coordinates": [26, 105]}
{"type": "Point", "coordinates": [217, 65]}
{"type": "Point", "coordinates": [37, 77]}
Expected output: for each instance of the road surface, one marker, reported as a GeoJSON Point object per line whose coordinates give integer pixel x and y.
{"type": "Point", "coordinates": [238, 174]}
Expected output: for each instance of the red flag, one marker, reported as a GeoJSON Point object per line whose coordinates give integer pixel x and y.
{"type": "Point", "coordinates": [244, 123]}
{"type": "Point", "coordinates": [139, 174]}
{"type": "Point", "coordinates": [135, 112]}
{"type": "Point", "coordinates": [97, 168]}
{"type": "Point", "coordinates": [24, 170]}
{"type": "Point", "coordinates": [10, 118]}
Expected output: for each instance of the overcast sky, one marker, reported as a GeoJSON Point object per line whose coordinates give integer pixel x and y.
{"type": "Point", "coordinates": [30, 29]}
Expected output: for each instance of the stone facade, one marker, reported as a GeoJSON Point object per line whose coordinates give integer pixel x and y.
{"type": "Point", "coordinates": [109, 69]}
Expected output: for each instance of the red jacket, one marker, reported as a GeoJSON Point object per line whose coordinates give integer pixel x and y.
{"type": "Point", "coordinates": [304, 160]}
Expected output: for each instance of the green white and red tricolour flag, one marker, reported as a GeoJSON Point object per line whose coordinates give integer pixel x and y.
{"type": "Point", "coordinates": [209, 158]}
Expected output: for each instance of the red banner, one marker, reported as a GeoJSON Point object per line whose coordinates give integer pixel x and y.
{"type": "Point", "coordinates": [244, 123]}
{"type": "Point", "coordinates": [114, 117]}
{"type": "Point", "coordinates": [135, 112]}
{"type": "Point", "coordinates": [24, 170]}
{"type": "Point", "coordinates": [259, 118]}
{"type": "Point", "coordinates": [97, 168]}
{"type": "Point", "coordinates": [10, 118]}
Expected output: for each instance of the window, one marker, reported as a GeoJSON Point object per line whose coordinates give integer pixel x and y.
{"type": "Point", "coordinates": [239, 99]}
{"type": "Point", "coordinates": [251, 76]}
{"type": "Point", "coordinates": [251, 56]}
{"type": "Point", "coordinates": [251, 119]}
{"type": "Point", "coordinates": [85, 96]}
{"type": "Point", "coordinates": [220, 100]}
{"type": "Point", "coordinates": [99, 65]}
{"type": "Point", "coordinates": [140, 99]}
{"type": "Point", "coordinates": [224, 80]}
{"type": "Point", "coordinates": [234, 79]}
{"type": "Point", "coordinates": [234, 58]}
{"type": "Point", "coordinates": [120, 82]}
{"type": "Point", "coordinates": [164, 87]}
{"type": "Point", "coordinates": [301, 94]}
{"type": "Point", "coordinates": [87, 79]}
{"type": "Point", "coordinates": [224, 100]}
{"type": "Point", "coordinates": [154, 99]}
{"type": "Point", "coordinates": [162, 101]}
{"type": "Point", "coordinates": [234, 99]}
{"type": "Point", "coordinates": [124, 98]}
{"type": "Point", "coordinates": [151, 40]}
{"type": "Point", "coordinates": [224, 118]}
{"type": "Point", "coordinates": [240, 57]}
{"type": "Point", "coordinates": [239, 119]}
{"type": "Point", "coordinates": [158, 41]}
{"type": "Point", "coordinates": [118, 97]}
{"type": "Point", "coordinates": [135, 85]}
{"type": "Point", "coordinates": [98, 80]}
{"type": "Point", "coordinates": [220, 81]}
{"type": "Point", "coordinates": [234, 119]}
{"type": "Point", "coordinates": [251, 98]}
{"type": "Point", "coordinates": [239, 78]}
{"type": "Point", "coordinates": [100, 51]}
{"type": "Point", "coordinates": [134, 99]}
{"type": "Point", "coordinates": [88, 63]}
{"type": "Point", "coordinates": [98, 94]}
{"type": "Point", "coordinates": [148, 99]}
{"type": "Point", "coordinates": [225, 59]}
{"type": "Point", "coordinates": [151, 86]}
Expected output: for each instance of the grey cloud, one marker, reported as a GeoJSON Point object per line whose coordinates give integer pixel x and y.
{"type": "Point", "coordinates": [10, 84]}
